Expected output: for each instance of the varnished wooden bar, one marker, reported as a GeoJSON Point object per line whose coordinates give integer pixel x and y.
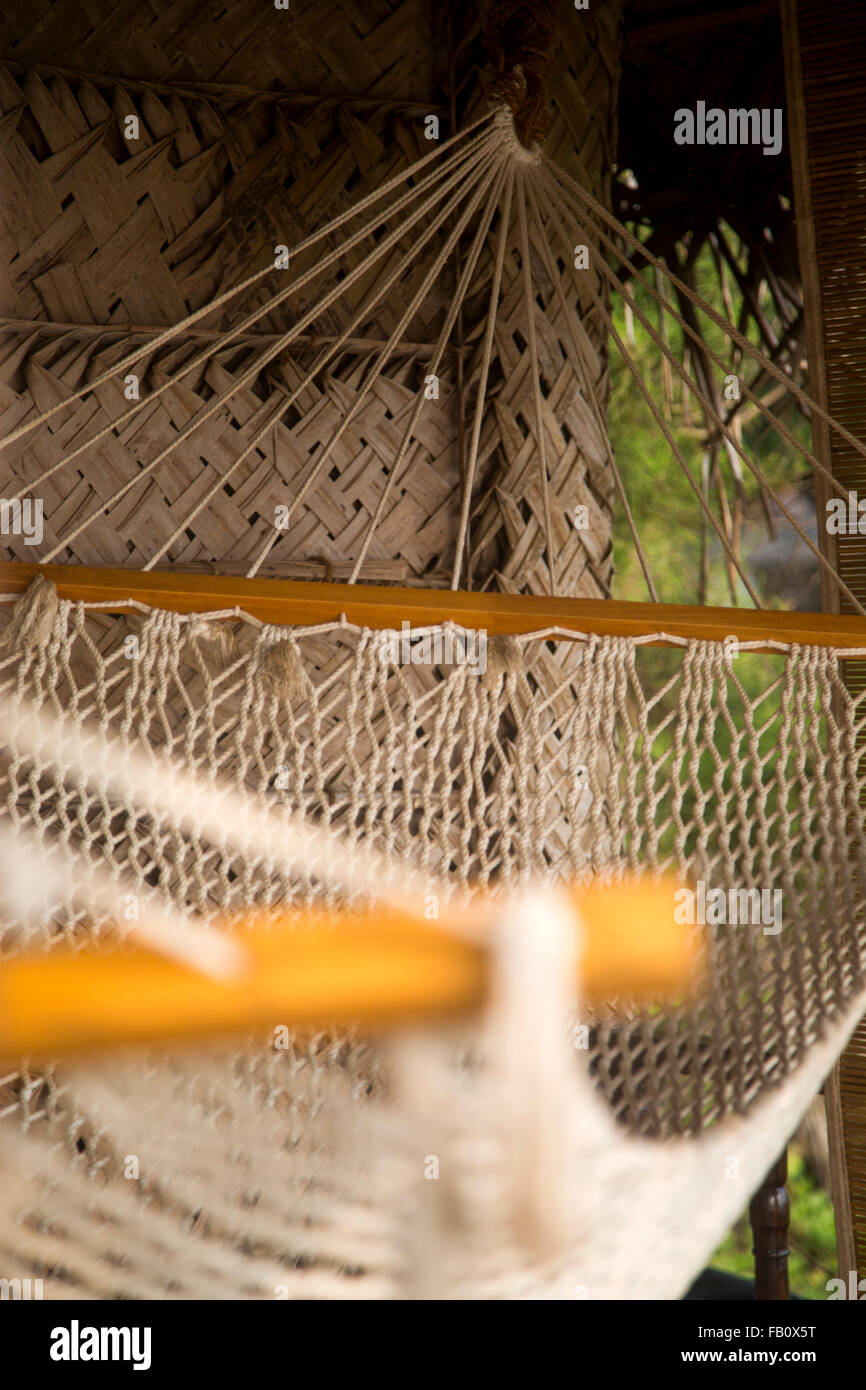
{"type": "Point", "coordinates": [314, 966]}
{"type": "Point", "coordinates": [368, 605]}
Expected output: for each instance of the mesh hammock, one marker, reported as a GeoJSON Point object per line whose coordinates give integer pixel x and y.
{"type": "Point", "coordinates": [304, 1169]}
{"type": "Point", "coordinates": [297, 764]}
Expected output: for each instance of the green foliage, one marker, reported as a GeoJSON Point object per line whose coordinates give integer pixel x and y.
{"type": "Point", "coordinates": [666, 510]}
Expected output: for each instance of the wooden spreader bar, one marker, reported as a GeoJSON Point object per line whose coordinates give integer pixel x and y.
{"type": "Point", "coordinates": [302, 602]}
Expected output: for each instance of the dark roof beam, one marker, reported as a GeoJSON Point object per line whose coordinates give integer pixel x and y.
{"type": "Point", "coordinates": [657, 30]}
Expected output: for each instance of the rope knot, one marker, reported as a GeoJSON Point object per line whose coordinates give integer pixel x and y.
{"type": "Point", "coordinates": [504, 656]}
{"type": "Point", "coordinates": [283, 671]}
{"type": "Point", "coordinates": [32, 621]}
{"type": "Point", "coordinates": [520, 38]}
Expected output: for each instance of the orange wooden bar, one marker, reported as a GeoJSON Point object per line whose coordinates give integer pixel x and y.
{"type": "Point", "coordinates": [322, 968]}
{"type": "Point", "coordinates": [368, 605]}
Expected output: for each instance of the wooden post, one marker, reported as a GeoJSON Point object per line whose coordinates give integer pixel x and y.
{"type": "Point", "coordinates": [769, 1213]}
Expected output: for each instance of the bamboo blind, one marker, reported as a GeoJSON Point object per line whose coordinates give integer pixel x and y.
{"type": "Point", "coordinates": [826, 54]}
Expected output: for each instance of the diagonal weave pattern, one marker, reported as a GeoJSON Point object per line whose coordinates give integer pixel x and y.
{"type": "Point", "coordinates": [107, 231]}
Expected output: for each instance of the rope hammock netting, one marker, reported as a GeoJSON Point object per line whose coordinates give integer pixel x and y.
{"type": "Point", "coordinates": [297, 764]}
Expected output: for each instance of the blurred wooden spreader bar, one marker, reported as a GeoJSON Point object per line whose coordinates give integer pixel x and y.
{"type": "Point", "coordinates": [307, 968]}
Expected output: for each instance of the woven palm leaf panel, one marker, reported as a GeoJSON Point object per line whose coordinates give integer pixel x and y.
{"type": "Point", "coordinates": [104, 235]}
{"type": "Point", "coordinates": [826, 57]}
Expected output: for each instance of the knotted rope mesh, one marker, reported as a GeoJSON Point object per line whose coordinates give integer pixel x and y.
{"type": "Point", "coordinates": [736, 769]}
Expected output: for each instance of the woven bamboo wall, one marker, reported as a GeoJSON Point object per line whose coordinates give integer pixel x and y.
{"type": "Point", "coordinates": [826, 49]}
{"type": "Point", "coordinates": [101, 231]}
